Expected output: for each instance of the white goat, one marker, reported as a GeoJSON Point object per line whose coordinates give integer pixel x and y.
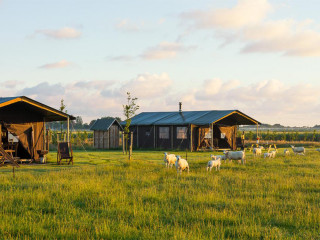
{"type": "Point", "coordinates": [222, 157]}
{"type": "Point", "coordinates": [271, 154]}
{"type": "Point", "coordinates": [286, 152]}
{"type": "Point", "coordinates": [257, 151]}
{"type": "Point", "coordinates": [169, 159]}
{"type": "Point", "coordinates": [181, 164]}
{"type": "Point", "coordinates": [266, 155]}
{"type": "Point", "coordinates": [214, 163]}
{"type": "Point", "coordinates": [297, 150]}
{"type": "Point", "coordinates": [236, 155]}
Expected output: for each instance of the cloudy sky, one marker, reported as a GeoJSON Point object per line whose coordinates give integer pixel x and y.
{"type": "Point", "coordinates": [259, 56]}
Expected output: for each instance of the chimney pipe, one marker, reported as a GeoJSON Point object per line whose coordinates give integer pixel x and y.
{"type": "Point", "coordinates": [180, 107]}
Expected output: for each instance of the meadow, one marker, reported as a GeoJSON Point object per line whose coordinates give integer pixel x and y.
{"type": "Point", "coordinates": [104, 196]}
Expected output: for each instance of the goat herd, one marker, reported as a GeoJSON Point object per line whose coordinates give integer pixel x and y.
{"type": "Point", "coordinates": [182, 164]}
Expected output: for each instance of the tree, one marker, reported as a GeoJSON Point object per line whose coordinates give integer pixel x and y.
{"type": "Point", "coordinates": [62, 109]}
{"type": "Point", "coordinates": [129, 110]}
{"type": "Point", "coordinates": [78, 124]}
{"type": "Point", "coordinates": [314, 135]}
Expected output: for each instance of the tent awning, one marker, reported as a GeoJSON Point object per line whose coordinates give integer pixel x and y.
{"type": "Point", "coordinates": [25, 110]}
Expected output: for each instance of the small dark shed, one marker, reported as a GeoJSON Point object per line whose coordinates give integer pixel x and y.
{"type": "Point", "coordinates": [106, 133]}
{"type": "Point", "coordinates": [25, 119]}
{"type": "Point", "coordinates": [193, 130]}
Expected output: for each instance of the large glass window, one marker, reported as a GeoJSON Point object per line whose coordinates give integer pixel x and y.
{"type": "Point", "coordinates": [164, 132]}
{"type": "Point", "coordinates": [182, 132]}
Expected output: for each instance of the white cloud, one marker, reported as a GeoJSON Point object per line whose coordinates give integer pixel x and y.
{"type": "Point", "coordinates": [247, 23]}
{"type": "Point", "coordinates": [286, 36]}
{"type": "Point", "coordinates": [128, 26]}
{"type": "Point", "coordinates": [12, 84]}
{"type": "Point", "coordinates": [246, 12]}
{"type": "Point", "coordinates": [63, 33]}
{"type": "Point", "coordinates": [92, 99]}
{"type": "Point", "coordinates": [122, 58]}
{"type": "Point", "coordinates": [43, 89]}
{"type": "Point", "coordinates": [60, 64]}
{"type": "Point", "coordinates": [148, 85]}
{"type": "Point", "coordinates": [165, 50]}
{"type": "Point", "coordinates": [269, 101]}
{"type": "Point", "coordinates": [97, 84]}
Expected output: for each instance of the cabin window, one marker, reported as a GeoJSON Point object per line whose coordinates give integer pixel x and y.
{"type": "Point", "coordinates": [182, 132]}
{"type": "Point", "coordinates": [164, 132]}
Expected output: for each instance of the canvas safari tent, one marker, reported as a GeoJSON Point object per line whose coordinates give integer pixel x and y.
{"type": "Point", "coordinates": [25, 119]}
{"type": "Point", "coordinates": [192, 130]}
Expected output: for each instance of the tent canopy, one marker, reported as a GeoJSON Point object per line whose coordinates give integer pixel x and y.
{"type": "Point", "coordinates": [200, 118]}
{"type": "Point", "coordinates": [25, 110]}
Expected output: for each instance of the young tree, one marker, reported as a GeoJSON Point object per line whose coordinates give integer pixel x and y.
{"type": "Point", "coordinates": [62, 109]}
{"type": "Point", "coordinates": [129, 111]}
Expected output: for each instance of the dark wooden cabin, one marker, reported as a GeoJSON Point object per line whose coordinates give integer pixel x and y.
{"type": "Point", "coordinates": [25, 119]}
{"type": "Point", "coordinates": [193, 130]}
{"type": "Point", "coordinates": [106, 133]}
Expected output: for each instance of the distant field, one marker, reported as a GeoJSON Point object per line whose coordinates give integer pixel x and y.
{"type": "Point", "coordinates": [102, 196]}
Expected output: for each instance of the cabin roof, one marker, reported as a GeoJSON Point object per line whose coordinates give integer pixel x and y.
{"type": "Point", "coordinates": [226, 117]}
{"type": "Point", "coordinates": [104, 124]}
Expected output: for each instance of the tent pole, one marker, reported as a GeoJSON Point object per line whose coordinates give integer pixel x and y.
{"type": "Point", "coordinates": [44, 134]}
{"type": "Point", "coordinates": [172, 137]}
{"type": "Point", "coordinates": [191, 138]}
{"type": "Point", "coordinates": [154, 136]}
{"type": "Point", "coordinates": [0, 135]}
{"type": "Point", "coordinates": [212, 136]}
{"type": "Point", "coordinates": [68, 129]}
{"type": "Point", "coordinates": [137, 136]}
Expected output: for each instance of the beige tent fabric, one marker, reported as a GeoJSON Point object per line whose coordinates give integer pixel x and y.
{"type": "Point", "coordinates": [30, 136]}
{"type": "Point", "coordinates": [230, 135]}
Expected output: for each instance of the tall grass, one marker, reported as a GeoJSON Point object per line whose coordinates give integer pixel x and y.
{"type": "Point", "coordinates": [103, 196]}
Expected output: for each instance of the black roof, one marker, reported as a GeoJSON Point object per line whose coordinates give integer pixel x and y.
{"type": "Point", "coordinates": [22, 109]}
{"type": "Point", "coordinates": [228, 117]}
{"type": "Point", "coordinates": [104, 124]}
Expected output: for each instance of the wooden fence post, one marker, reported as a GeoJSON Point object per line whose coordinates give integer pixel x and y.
{"type": "Point", "coordinates": [123, 144]}
{"type": "Point", "coordinates": [131, 143]}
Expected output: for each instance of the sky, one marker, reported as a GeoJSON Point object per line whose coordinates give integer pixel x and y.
{"type": "Point", "coordinates": [261, 57]}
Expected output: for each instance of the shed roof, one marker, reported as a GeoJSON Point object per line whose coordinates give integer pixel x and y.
{"type": "Point", "coordinates": [226, 117]}
{"type": "Point", "coordinates": [23, 109]}
{"type": "Point", "coordinates": [104, 124]}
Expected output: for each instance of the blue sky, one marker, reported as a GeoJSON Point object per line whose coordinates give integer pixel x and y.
{"type": "Point", "coordinates": [258, 56]}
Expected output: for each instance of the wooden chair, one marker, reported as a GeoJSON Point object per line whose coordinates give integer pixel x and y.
{"type": "Point", "coordinates": [64, 152]}
{"type": "Point", "coordinates": [4, 156]}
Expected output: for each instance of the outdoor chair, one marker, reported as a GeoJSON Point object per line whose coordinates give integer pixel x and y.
{"type": "Point", "coordinates": [64, 152]}
{"type": "Point", "coordinates": [4, 156]}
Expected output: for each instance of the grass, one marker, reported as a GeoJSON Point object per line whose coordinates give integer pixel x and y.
{"type": "Point", "coordinates": [103, 196]}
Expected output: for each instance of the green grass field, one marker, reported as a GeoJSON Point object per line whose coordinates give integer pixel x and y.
{"type": "Point", "coordinates": [103, 196]}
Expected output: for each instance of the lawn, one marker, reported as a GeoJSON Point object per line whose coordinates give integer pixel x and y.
{"type": "Point", "coordinates": [103, 196]}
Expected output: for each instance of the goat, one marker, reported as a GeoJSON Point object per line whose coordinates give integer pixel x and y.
{"type": "Point", "coordinates": [297, 150]}
{"type": "Point", "coordinates": [236, 155]}
{"type": "Point", "coordinates": [169, 159]}
{"type": "Point", "coordinates": [214, 163]}
{"type": "Point", "coordinates": [181, 164]}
